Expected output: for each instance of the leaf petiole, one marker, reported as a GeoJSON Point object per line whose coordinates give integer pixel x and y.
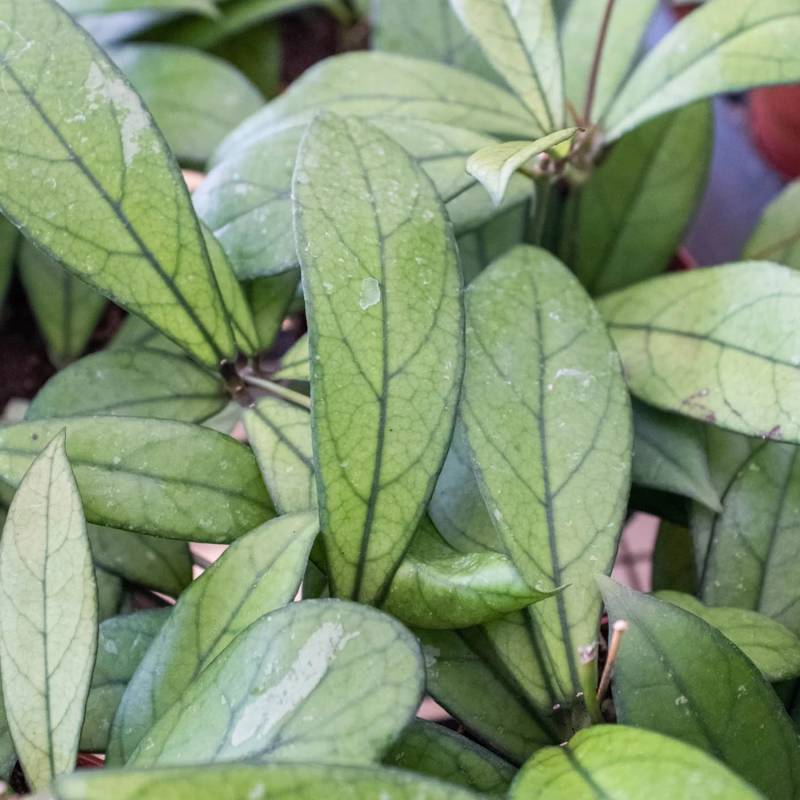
{"type": "Point", "coordinates": [620, 626]}
{"type": "Point", "coordinates": [283, 392]}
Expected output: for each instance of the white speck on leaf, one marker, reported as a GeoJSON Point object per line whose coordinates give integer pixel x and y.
{"type": "Point", "coordinates": [370, 293]}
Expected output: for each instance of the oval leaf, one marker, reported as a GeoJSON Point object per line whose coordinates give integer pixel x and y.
{"type": "Point", "coordinates": [295, 364]}
{"type": "Point", "coordinates": [257, 574]}
{"type": "Point", "coordinates": [718, 344]}
{"type": "Point", "coordinates": [390, 328]}
{"type": "Point", "coordinates": [548, 421]}
{"type": "Point", "coordinates": [320, 681]}
{"type": "Point", "coordinates": [110, 6]}
{"type": "Point", "coordinates": [48, 617]}
{"type": "Point", "coordinates": [102, 147]}
{"type": "Point", "coordinates": [150, 476]}
{"type": "Point", "coordinates": [777, 235]}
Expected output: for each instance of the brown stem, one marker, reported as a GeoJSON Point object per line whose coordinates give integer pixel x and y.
{"type": "Point", "coordinates": [598, 55]}
{"type": "Point", "coordinates": [620, 626]}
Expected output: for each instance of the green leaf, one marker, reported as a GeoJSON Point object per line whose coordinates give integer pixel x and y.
{"type": "Point", "coordinates": [679, 676]}
{"type": "Point", "coordinates": [549, 425]}
{"type": "Point", "coordinates": [520, 40]}
{"type": "Point", "coordinates": [48, 617]}
{"type": "Point", "coordinates": [669, 454]}
{"type": "Point", "coordinates": [103, 148]}
{"type": "Point", "coordinates": [280, 435]}
{"type": "Point", "coordinates": [150, 476]}
{"type": "Point", "coordinates": [772, 647]}
{"type": "Point", "coordinates": [673, 559]}
{"type": "Point", "coordinates": [247, 198]}
{"type": "Point", "coordinates": [386, 336]}
{"type": "Point", "coordinates": [777, 235]}
{"type": "Point", "coordinates": [439, 752]}
{"type": "Point", "coordinates": [235, 781]}
{"type": "Point", "coordinates": [121, 644]}
{"type": "Point", "coordinates": [383, 84]}
{"type": "Point", "coordinates": [494, 165]}
{"type": "Point", "coordinates": [271, 299]}
{"type": "Point", "coordinates": [66, 309]}
{"type": "Point", "coordinates": [717, 344]}
{"type": "Point", "coordinates": [615, 762]}
{"type": "Point", "coordinates": [195, 98]}
{"type": "Point", "coordinates": [295, 365]}
{"type": "Point", "coordinates": [720, 48]}
{"type": "Point", "coordinates": [438, 587]}
{"type": "Point", "coordinates": [164, 565]}
{"type": "Point", "coordinates": [257, 574]}
{"type": "Point", "coordinates": [324, 681]}
{"type": "Point", "coordinates": [74, 7]}
{"type": "Point", "coordinates": [132, 383]}
{"type": "Point", "coordinates": [580, 33]}
{"type": "Point", "coordinates": [427, 29]}
{"type": "Point", "coordinates": [110, 593]}
{"type": "Point", "coordinates": [748, 555]}
{"type": "Point", "coordinates": [488, 701]}
{"type": "Point", "coordinates": [627, 222]}
{"type": "Point", "coordinates": [136, 333]}
{"type": "Point", "coordinates": [8, 249]}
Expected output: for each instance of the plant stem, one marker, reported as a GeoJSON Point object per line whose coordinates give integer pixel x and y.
{"type": "Point", "coordinates": [620, 626]}
{"type": "Point", "coordinates": [587, 671]}
{"type": "Point", "coordinates": [536, 225]}
{"type": "Point", "coordinates": [279, 391]}
{"type": "Point", "coordinates": [598, 56]}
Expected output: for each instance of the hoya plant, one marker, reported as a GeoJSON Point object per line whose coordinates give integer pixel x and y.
{"type": "Point", "coordinates": [424, 495]}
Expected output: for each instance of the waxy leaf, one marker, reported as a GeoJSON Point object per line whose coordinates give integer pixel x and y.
{"type": "Point", "coordinates": [669, 454]}
{"type": "Point", "coordinates": [132, 383]}
{"type": "Point", "coordinates": [196, 99]}
{"type": "Point", "coordinates": [777, 236]}
{"type": "Point", "coordinates": [318, 681]}
{"type": "Point", "coordinates": [136, 333]}
{"type": "Point", "coordinates": [720, 48]}
{"type": "Point", "coordinates": [677, 675]}
{"type": "Point", "coordinates": [615, 762]}
{"type": "Point", "coordinates": [718, 344]}
{"type": "Point", "coordinates": [426, 29]}
{"type": "Point", "coordinates": [161, 564]}
{"type": "Point", "coordinates": [383, 296]}
{"type": "Point", "coordinates": [548, 421]}
{"type": "Point", "coordinates": [82, 132]}
{"type": "Point", "coordinates": [164, 478]}
{"type": "Point", "coordinates": [276, 782]}
{"type": "Point", "coordinates": [627, 222]}
{"type": "Point", "coordinates": [494, 165]}
{"type": "Point", "coordinates": [257, 574]}
{"type": "Point", "coordinates": [271, 299]}
{"type": "Point", "coordinates": [9, 240]}
{"type": "Point", "coordinates": [580, 34]}
{"type": "Point", "coordinates": [673, 559]}
{"type": "Point", "coordinates": [520, 40]}
{"type": "Point", "coordinates": [110, 593]}
{"type": "Point", "coordinates": [382, 84]}
{"type": "Point", "coordinates": [66, 309]}
{"type": "Point", "coordinates": [109, 6]}
{"type": "Point", "coordinates": [441, 753]}
{"type": "Point", "coordinates": [772, 647]}
{"type": "Point", "coordinates": [295, 364]}
{"type": "Point", "coordinates": [48, 617]}
{"type": "Point", "coordinates": [121, 645]}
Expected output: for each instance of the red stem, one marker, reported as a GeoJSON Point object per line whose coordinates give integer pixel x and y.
{"type": "Point", "coordinates": [598, 55]}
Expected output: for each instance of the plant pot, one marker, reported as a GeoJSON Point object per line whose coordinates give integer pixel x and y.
{"type": "Point", "coordinates": [775, 122]}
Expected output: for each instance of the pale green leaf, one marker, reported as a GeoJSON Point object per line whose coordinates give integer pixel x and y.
{"type": "Point", "coordinates": [580, 34]}
{"type": "Point", "coordinates": [677, 675]}
{"type": "Point", "coordinates": [615, 762]}
{"type": "Point", "coordinates": [494, 165]}
{"type": "Point", "coordinates": [161, 564]}
{"type": "Point", "coordinates": [256, 575]}
{"type": "Point", "coordinates": [295, 364]}
{"type": "Point", "coordinates": [131, 383]}
{"type": "Point", "coordinates": [196, 99]}
{"type": "Point", "coordinates": [441, 753]}
{"type": "Point", "coordinates": [627, 222]}
{"type": "Point", "coordinates": [110, 593]}
{"type": "Point", "coordinates": [102, 147]}
{"type": "Point", "coordinates": [426, 29]}
{"type": "Point", "coordinates": [777, 235]}
{"type": "Point", "coordinates": [722, 47]}
{"type": "Point", "coordinates": [121, 644]}
{"type": "Point", "coordinates": [137, 333]}
{"type": "Point", "coordinates": [276, 782]}
{"type": "Point", "coordinates": [66, 309]}
{"type": "Point", "coordinates": [323, 681]}
{"type": "Point", "coordinates": [520, 40]}
{"type": "Point", "coordinates": [549, 424]}
{"type": "Point", "coordinates": [271, 299]}
{"type": "Point", "coordinates": [48, 617]}
{"type": "Point", "coordinates": [718, 344]}
{"type": "Point", "coordinates": [206, 7]}
{"type": "Point", "coordinates": [383, 84]}
{"type": "Point", "coordinates": [772, 647]}
{"type": "Point", "coordinates": [669, 455]}
{"type": "Point", "coordinates": [386, 338]}
{"type": "Point", "coordinates": [165, 478]}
